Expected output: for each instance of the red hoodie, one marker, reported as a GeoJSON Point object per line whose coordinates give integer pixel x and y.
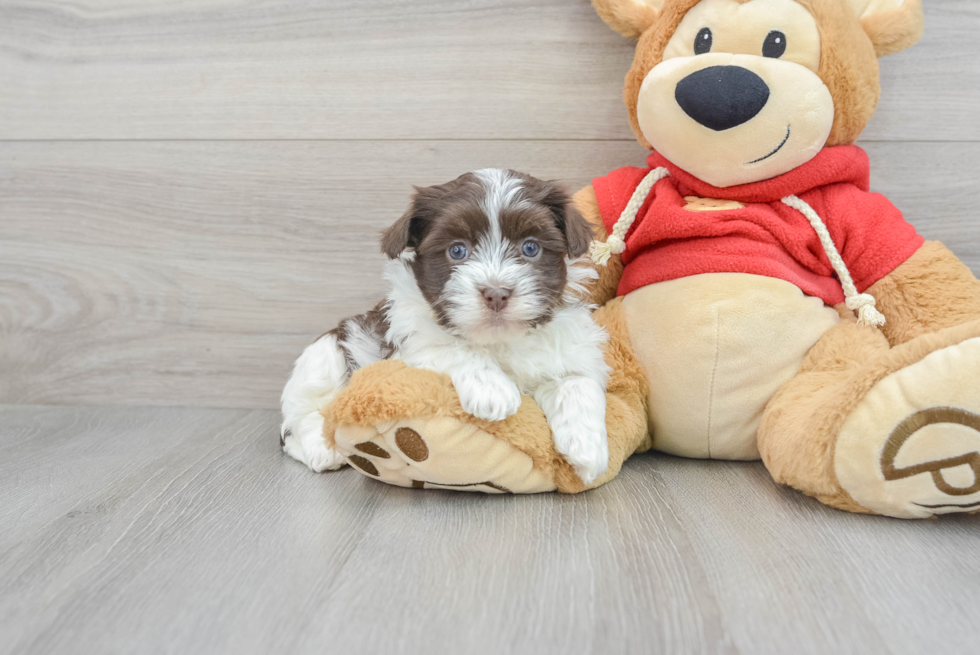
{"type": "Point", "coordinates": [759, 234]}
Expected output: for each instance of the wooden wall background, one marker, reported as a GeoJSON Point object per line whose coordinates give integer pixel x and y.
{"type": "Point", "coordinates": [191, 190]}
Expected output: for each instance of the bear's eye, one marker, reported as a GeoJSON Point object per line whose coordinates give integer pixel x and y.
{"type": "Point", "coordinates": [702, 42]}
{"type": "Point", "coordinates": [775, 45]}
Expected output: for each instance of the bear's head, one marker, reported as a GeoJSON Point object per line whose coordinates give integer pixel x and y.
{"type": "Point", "coordinates": [739, 91]}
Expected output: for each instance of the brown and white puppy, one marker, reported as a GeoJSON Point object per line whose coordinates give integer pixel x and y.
{"type": "Point", "coordinates": [483, 287]}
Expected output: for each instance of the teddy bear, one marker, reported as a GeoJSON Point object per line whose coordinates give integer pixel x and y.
{"type": "Point", "coordinates": [761, 302]}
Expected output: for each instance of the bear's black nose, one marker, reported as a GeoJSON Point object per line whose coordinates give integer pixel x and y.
{"type": "Point", "coordinates": [722, 97]}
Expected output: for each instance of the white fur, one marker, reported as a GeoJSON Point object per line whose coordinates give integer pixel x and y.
{"type": "Point", "coordinates": [559, 363]}
{"type": "Point", "coordinates": [362, 345]}
{"type": "Point", "coordinates": [491, 357]}
{"type": "Point", "coordinates": [319, 374]}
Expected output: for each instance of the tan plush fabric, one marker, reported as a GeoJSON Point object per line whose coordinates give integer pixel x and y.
{"type": "Point", "coordinates": [516, 454]}
{"type": "Point", "coordinates": [931, 291]}
{"type": "Point", "coordinates": [900, 460]}
{"type": "Point", "coordinates": [716, 348]}
{"type": "Point", "coordinates": [452, 455]}
{"type": "Point", "coordinates": [628, 17]}
{"type": "Point", "coordinates": [695, 360]}
{"type": "Point", "coordinates": [604, 289]}
{"type": "Point", "coordinates": [799, 427]}
{"type": "Point", "coordinates": [893, 29]}
{"type": "Point", "coordinates": [799, 431]}
{"type": "Point", "coordinates": [848, 63]}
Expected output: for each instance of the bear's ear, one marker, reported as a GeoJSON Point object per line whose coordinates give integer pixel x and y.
{"type": "Point", "coordinates": [631, 18]}
{"type": "Point", "coordinates": [892, 25]}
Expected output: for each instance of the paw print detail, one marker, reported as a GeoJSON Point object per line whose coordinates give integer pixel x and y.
{"type": "Point", "coordinates": [373, 449]}
{"type": "Point", "coordinates": [440, 453]}
{"type": "Point", "coordinates": [411, 444]}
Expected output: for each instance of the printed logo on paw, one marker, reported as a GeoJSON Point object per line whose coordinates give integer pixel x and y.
{"type": "Point", "coordinates": [956, 476]}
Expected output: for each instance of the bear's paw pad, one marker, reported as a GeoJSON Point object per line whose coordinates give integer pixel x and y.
{"type": "Point", "coordinates": [911, 449]}
{"type": "Point", "coordinates": [440, 453]}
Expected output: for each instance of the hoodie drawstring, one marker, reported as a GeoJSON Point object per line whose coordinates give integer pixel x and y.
{"type": "Point", "coordinates": [862, 304]}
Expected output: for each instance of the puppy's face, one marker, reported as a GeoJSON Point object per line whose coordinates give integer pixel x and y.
{"type": "Point", "coordinates": [490, 251]}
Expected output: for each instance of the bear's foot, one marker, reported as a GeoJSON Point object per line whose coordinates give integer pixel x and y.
{"type": "Point", "coordinates": [406, 427]}
{"type": "Point", "coordinates": [910, 448]}
{"type": "Point", "coordinates": [440, 453]}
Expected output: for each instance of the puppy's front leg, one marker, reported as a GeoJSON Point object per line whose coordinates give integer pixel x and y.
{"type": "Point", "coordinates": [576, 411]}
{"type": "Point", "coordinates": [484, 390]}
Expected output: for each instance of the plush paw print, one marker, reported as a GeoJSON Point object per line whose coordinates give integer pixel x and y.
{"type": "Point", "coordinates": [440, 453]}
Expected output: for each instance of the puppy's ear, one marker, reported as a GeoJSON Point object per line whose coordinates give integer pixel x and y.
{"type": "Point", "coordinates": [631, 18]}
{"type": "Point", "coordinates": [892, 25]}
{"type": "Point", "coordinates": [578, 232]}
{"type": "Point", "coordinates": [408, 231]}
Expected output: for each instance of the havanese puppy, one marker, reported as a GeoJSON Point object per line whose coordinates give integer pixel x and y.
{"type": "Point", "coordinates": [484, 286]}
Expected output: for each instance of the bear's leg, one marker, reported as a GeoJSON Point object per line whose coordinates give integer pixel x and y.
{"type": "Point", "coordinates": [889, 421]}
{"type": "Point", "coordinates": [406, 427]}
{"type": "Point", "coordinates": [932, 291]}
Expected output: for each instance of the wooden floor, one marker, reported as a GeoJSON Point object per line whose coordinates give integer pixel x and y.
{"type": "Point", "coordinates": [186, 531]}
{"type": "Point", "coordinates": [191, 191]}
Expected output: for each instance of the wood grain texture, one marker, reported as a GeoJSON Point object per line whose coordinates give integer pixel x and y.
{"type": "Point", "coordinates": [186, 531]}
{"type": "Point", "coordinates": [384, 69]}
{"type": "Point", "coordinates": [195, 273]}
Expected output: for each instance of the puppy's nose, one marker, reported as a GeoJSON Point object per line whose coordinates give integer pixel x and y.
{"type": "Point", "coordinates": [722, 97]}
{"type": "Point", "coordinates": [496, 298]}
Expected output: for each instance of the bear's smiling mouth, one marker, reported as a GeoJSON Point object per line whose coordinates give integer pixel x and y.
{"type": "Point", "coordinates": [780, 147]}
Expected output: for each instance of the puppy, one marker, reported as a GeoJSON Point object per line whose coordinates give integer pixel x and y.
{"type": "Point", "coordinates": [484, 287]}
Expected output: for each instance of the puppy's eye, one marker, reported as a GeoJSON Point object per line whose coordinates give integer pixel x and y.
{"type": "Point", "coordinates": [775, 45]}
{"type": "Point", "coordinates": [530, 249]}
{"type": "Point", "coordinates": [703, 41]}
{"type": "Point", "coordinates": [458, 252]}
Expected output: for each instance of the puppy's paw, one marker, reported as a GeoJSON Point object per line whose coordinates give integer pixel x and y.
{"type": "Point", "coordinates": [488, 395]}
{"type": "Point", "coordinates": [576, 411]}
{"type": "Point", "coordinates": [585, 446]}
{"type": "Point", "coordinates": [306, 444]}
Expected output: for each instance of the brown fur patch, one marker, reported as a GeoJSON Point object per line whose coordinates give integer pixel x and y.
{"type": "Point", "coordinates": [605, 288]}
{"type": "Point", "coordinates": [372, 324]}
{"type": "Point", "coordinates": [452, 214]}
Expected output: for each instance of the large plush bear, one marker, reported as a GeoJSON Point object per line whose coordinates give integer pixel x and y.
{"type": "Point", "coordinates": [760, 300]}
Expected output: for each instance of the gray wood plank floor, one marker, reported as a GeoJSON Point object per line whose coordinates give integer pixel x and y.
{"type": "Point", "coordinates": [190, 191]}
{"type": "Point", "coordinates": [186, 531]}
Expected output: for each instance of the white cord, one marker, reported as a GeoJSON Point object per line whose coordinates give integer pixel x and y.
{"type": "Point", "coordinates": [861, 303]}
{"type": "Point", "coordinates": [616, 243]}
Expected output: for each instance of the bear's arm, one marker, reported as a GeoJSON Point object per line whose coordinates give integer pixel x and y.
{"type": "Point", "coordinates": [605, 287]}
